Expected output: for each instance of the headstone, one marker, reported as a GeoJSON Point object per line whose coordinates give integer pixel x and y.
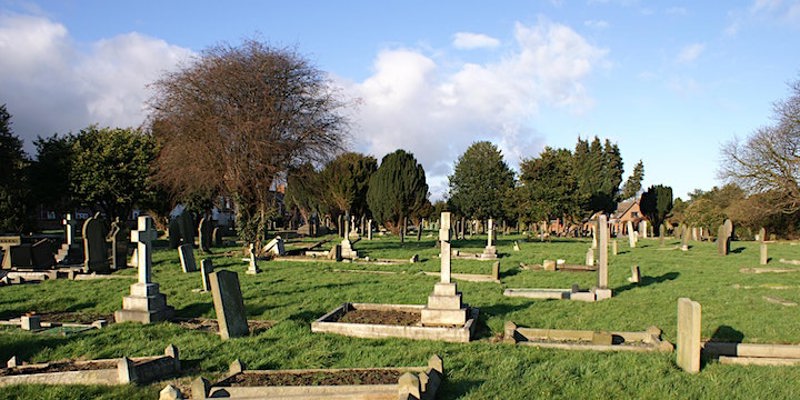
{"type": "Point", "coordinates": [119, 244]}
{"type": "Point", "coordinates": [228, 304]}
{"type": "Point", "coordinates": [369, 229]}
{"type": "Point", "coordinates": [688, 345]}
{"type": "Point", "coordinates": [275, 246]}
{"type": "Point", "coordinates": [206, 268]}
{"type": "Point", "coordinates": [217, 234]}
{"type": "Point", "coordinates": [31, 322]}
{"type": "Point", "coordinates": [490, 251]}
{"type": "Point", "coordinates": [145, 304]}
{"type": "Point", "coordinates": [636, 275]}
{"type": "Point", "coordinates": [186, 254]}
{"type": "Point", "coordinates": [763, 256]}
{"type": "Point", "coordinates": [686, 235]}
{"type": "Point", "coordinates": [594, 236]}
{"type": "Point", "coordinates": [444, 306]}
{"type": "Point", "coordinates": [347, 249]}
{"type": "Point", "coordinates": [174, 231]}
{"type": "Point", "coordinates": [631, 235]}
{"type": "Point", "coordinates": [70, 225]}
{"type": "Point", "coordinates": [723, 241]}
{"type": "Point", "coordinates": [549, 265]}
{"type": "Point", "coordinates": [204, 232]}
{"type": "Point", "coordinates": [252, 268]}
{"type": "Point", "coordinates": [643, 229]}
{"type": "Point", "coordinates": [6, 244]}
{"type": "Point", "coordinates": [602, 267]}
{"type": "Point", "coordinates": [41, 255]}
{"type": "Point", "coordinates": [589, 257]}
{"type": "Point", "coordinates": [186, 227]}
{"type": "Point", "coordinates": [516, 246]}
{"type": "Point", "coordinates": [728, 229]}
{"type": "Point", "coordinates": [95, 249]}
{"type": "Point", "coordinates": [662, 234]}
{"type": "Point", "coordinates": [496, 270]}
{"type": "Point", "coordinates": [614, 247]}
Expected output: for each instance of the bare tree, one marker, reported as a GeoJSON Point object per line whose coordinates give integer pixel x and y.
{"type": "Point", "coordinates": [236, 118]}
{"type": "Point", "coordinates": [768, 162]}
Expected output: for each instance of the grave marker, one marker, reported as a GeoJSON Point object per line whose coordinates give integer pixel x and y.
{"type": "Point", "coordinates": [228, 304]}
{"type": "Point", "coordinates": [186, 254]}
{"type": "Point", "coordinates": [95, 249]}
{"type": "Point", "coordinates": [631, 235]}
{"type": "Point", "coordinates": [205, 232]}
{"type": "Point", "coordinates": [206, 268]}
{"type": "Point", "coordinates": [763, 256]}
{"type": "Point", "coordinates": [688, 345]}
{"type": "Point", "coordinates": [602, 227]}
{"type": "Point", "coordinates": [119, 244]}
{"type": "Point", "coordinates": [490, 251]}
{"type": "Point", "coordinates": [252, 268]}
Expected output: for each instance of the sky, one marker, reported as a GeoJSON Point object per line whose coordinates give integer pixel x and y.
{"type": "Point", "coordinates": [668, 82]}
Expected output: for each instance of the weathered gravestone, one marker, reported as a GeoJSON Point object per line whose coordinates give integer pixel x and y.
{"type": "Point", "coordinates": [275, 246]}
{"type": "Point", "coordinates": [763, 257]}
{"type": "Point", "coordinates": [636, 275]}
{"type": "Point", "coordinates": [252, 268]}
{"type": "Point", "coordinates": [589, 257]}
{"type": "Point", "coordinates": [119, 237]}
{"type": "Point", "coordinates": [723, 241]}
{"type": "Point", "coordinates": [95, 249]}
{"type": "Point", "coordinates": [204, 232]}
{"type": "Point", "coordinates": [631, 235]}
{"type": "Point", "coordinates": [206, 268]}
{"type": "Point", "coordinates": [228, 304]}
{"type": "Point", "coordinates": [490, 251]}
{"type": "Point", "coordinates": [70, 252]}
{"type": "Point", "coordinates": [602, 291]}
{"type": "Point", "coordinates": [174, 231]}
{"type": "Point", "coordinates": [688, 346]}
{"type": "Point", "coordinates": [186, 227]}
{"type": "Point", "coordinates": [369, 229]}
{"type": "Point", "coordinates": [662, 234]}
{"type": "Point", "coordinates": [686, 235]}
{"type": "Point", "coordinates": [6, 243]}
{"type": "Point", "coordinates": [186, 254]}
{"type": "Point", "coordinates": [145, 304]}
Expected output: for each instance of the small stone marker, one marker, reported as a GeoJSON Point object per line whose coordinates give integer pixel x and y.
{"type": "Point", "coordinates": [549, 265]}
{"type": "Point", "coordinates": [206, 268]}
{"type": "Point", "coordinates": [369, 229]}
{"type": "Point", "coordinates": [186, 254]}
{"type": "Point", "coordinates": [275, 246]}
{"type": "Point", "coordinates": [688, 345]}
{"type": "Point", "coordinates": [228, 304]}
{"type": "Point", "coordinates": [614, 247]}
{"type": "Point", "coordinates": [205, 232]}
{"type": "Point", "coordinates": [31, 322]}
{"type": "Point", "coordinates": [636, 275]}
{"type": "Point", "coordinates": [763, 256]}
{"type": "Point", "coordinates": [496, 270]}
{"type": "Point", "coordinates": [589, 257]}
{"type": "Point", "coordinates": [603, 338]}
{"type": "Point", "coordinates": [687, 234]}
{"type": "Point", "coordinates": [631, 235]}
{"type": "Point", "coordinates": [95, 249]}
{"type": "Point", "coordinates": [252, 269]}
{"type": "Point", "coordinates": [516, 246]}
{"type": "Point", "coordinates": [662, 234]}
{"type": "Point", "coordinates": [602, 269]}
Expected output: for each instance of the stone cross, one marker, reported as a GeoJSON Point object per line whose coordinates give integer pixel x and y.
{"type": "Point", "coordinates": [143, 237]}
{"type": "Point", "coordinates": [444, 239]}
{"type": "Point", "coordinates": [70, 224]}
{"type": "Point", "coordinates": [491, 233]}
{"type": "Point", "coordinates": [602, 264]}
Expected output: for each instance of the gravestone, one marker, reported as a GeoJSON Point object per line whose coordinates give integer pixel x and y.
{"type": "Point", "coordinates": [204, 232]}
{"type": "Point", "coordinates": [643, 229]}
{"type": "Point", "coordinates": [228, 304]}
{"type": "Point", "coordinates": [174, 231]}
{"type": "Point", "coordinates": [70, 252]}
{"type": "Point", "coordinates": [490, 251]}
{"type": "Point", "coordinates": [631, 235]}
{"type": "Point", "coordinates": [762, 254]}
{"type": "Point", "coordinates": [95, 249]}
{"type": "Point", "coordinates": [275, 246]}
{"type": "Point", "coordinates": [602, 267]}
{"type": "Point", "coordinates": [444, 306]}
{"type": "Point", "coordinates": [252, 268]}
{"type": "Point", "coordinates": [145, 304]}
{"type": "Point", "coordinates": [614, 247]}
{"type": "Point", "coordinates": [723, 241]}
{"type": "Point", "coordinates": [217, 234]}
{"type": "Point", "coordinates": [594, 236]}
{"type": "Point", "coordinates": [119, 244]}
{"type": "Point", "coordinates": [42, 255]}
{"type": "Point", "coordinates": [206, 268]}
{"type": "Point", "coordinates": [369, 229]}
{"type": "Point", "coordinates": [516, 246]}
{"type": "Point", "coordinates": [186, 227]}
{"type": "Point", "coordinates": [496, 270]}
{"type": "Point", "coordinates": [685, 237]}
{"type": "Point", "coordinates": [662, 234]}
{"type": "Point", "coordinates": [589, 257]}
{"type": "Point", "coordinates": [636, 275]}
{"type": "Point", "coordinates": [688, 344]}
{"type": "Point", "coordinates": [728, 229]}
{"type": "Point", "coordinates": [186, 254]}
{"type": "Point", "coordinates": [6, 244]}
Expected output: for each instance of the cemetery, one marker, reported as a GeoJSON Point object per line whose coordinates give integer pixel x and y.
{"type": "Point", "coordinates": [289, 318]}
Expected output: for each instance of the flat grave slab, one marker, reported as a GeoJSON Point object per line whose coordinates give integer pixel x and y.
{"type": "Point", "coordinates": [649, 340]}
{"type": "Point", "coordinates": [411, 327]}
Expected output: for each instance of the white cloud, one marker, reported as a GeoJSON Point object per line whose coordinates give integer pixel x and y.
{"type": "Point", "coordinates": [597, 24]}
{"type": "Point", "coordinates": [467, 40]}
{"type": "Point", "coordinates": [690, 53]}
{"type": "Point", "coordinates": [50, 85]}
{"type": "Point", "coordinates": [415, 103]}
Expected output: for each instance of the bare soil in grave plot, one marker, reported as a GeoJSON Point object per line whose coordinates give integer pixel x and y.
{"type": "Point", "coordinates": [58, 366]}
{"type": "Point", "coordinates": [74, 317]}
{"type": "Point", "coordinates": [211, 325]}
{"type": "Point", "coordinates": [333, 378]}
{"type": "Point", "coordinates": [380, 317]}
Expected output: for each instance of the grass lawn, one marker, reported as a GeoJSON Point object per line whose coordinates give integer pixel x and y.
{"type": "Point", "coordinates": [293, 294]}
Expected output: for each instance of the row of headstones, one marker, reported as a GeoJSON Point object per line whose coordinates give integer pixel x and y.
{"type": "Point", "coordinates": [181, 231]}
{"type": "Point", "coordinates": [96, 244]}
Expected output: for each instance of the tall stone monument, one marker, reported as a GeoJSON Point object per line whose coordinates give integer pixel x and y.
{"type": "Point", "coordinates": [490, 251]}
{"type": "Point", "coordinates": [602, 291]}
{"type": "Point", "coordinates": [145, 304]}
{"type": "Point", "coordinates": [444, 304]}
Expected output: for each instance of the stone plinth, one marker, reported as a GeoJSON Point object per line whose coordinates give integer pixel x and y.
{"type": "Point", "coordinates": [444, 307]}
{"type": "Point", "coordinates": [145, 304]}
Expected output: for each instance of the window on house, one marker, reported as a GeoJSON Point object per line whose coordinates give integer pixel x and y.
{"type": "Point", "coordinates": [634, 214]}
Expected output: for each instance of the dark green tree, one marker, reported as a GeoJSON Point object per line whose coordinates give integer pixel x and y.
{"type": "Point", "coordinates": [14, 191]}
{"type": "Point", "coordinates": [397, 189]}
{"type": "Point", "coordinates": [549, 186]}
{"type": "Point", "coordinates": [656, 203]}
{"type": "Point", "coordinates": [598, 172]}
{"type": "Point", "coordinates": [50, 172]}
{"type": "Point", "coordinates": [480, 181]}
{"type": "Point", "coordinates": [111, 169]}
{"type": "Point", "coordinates": [634, 183]}
{"type": "Point", "coordinates": [304, 191]}
{"type": "Point", "coordinates": [345, 180]}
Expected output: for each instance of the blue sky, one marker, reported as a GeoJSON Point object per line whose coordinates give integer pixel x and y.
{"type": "Point", "coordinates": [669, 82]}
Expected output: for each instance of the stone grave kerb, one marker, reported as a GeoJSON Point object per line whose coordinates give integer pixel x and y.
{"type": "Point", "coordinates": [143, 236]}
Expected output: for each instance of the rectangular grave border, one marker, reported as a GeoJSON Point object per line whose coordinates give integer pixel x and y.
{"type": "Point", "coordinates": [592, 295]}
{"type": "Point", "coordinates": [139, 370]}
{"type": "Point", "coordinates": [45, 326]}
{"type": "Point", "coordinates": [648, 340]}
{"type": "Point", "coordinates": [752, 353]}
{"type": "Point", "coordinates": [413, 383]}
{"type": "Point", "coordinates": [327, 324]}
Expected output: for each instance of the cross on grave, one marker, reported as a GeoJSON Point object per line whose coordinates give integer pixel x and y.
{"type": "Point", "coordinates": [143, 237]}
{"type": "Point", "coordinates": [70, 224]}
{"type": "Point", "coordinates": [444, 238]}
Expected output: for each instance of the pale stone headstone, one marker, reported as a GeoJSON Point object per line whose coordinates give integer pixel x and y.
{"type": "Point", "coordinates": [631, 235]}
{"type": "Point", "coordinates": [444, 249]}
{"type": "Point", "coordinates": [252, 267]}
{"type": "Point", "coordinates": [602, 268]}
{"type": "Point", "coordinates": [205, 232]}
{"type": "Point", "coordinates": [614, 247]}
{"type": "Point", "coordinates": [516, 246]}
{"type": "Point", "coordinates": [643, 229]}
{"type": "Point", "coordinates": [662, 234]}
{"type": "Point", "coordinates": [685, 237]}
{"type": "Point", "coordinates": [70, 224]}
{"type": "Point", "coordinates": [119, 244]}
{"type": "Point", "coordinates": [688, 344]}
{"type": "Point", "coordinates": [728, 229]}
{"type": "Point", "coordinates": [763, 256]}
{"type": "Point", "coordinates": [723, 241]}
{"type": "Point", "coordinates": [95, 249]}
{"type": "Point", "coordinates": [593, 228]}
{"type": "Point", "coordinates": [589, 257]}
{"type": "Point", "coordinates": [275, 246]}
{"type": "Point", "coordinates": [369, 229]}
{"type": "Point", "coordinates": [228, 304]}
{"type": "Point", "coordinates": [206, 268]}
{"type": "Point", "coordinates": [636, 274]}
{"type": "Point", "coordinates": [186, 255]}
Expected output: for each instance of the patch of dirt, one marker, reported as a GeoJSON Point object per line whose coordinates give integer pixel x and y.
{"type": "Point", "coordinates": [211, 325]}
{"type": "Point", "coordinates": [351, 377]}
{"type": "Point", "coordinates": [389, 317]}
{"type": "Point", "coordinates": [59, 366]}
{"type": "Point", "coordinates": [74, 317]}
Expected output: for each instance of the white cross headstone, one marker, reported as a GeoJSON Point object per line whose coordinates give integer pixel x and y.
{"type": "Point", "coordinates": [491, 232]}
{"type": "Point", "coordinates": [143, 237]}
{"type": "Point", "coordinates": [444, 238]}
{"type": "Point", "coordinates": [70, 224]}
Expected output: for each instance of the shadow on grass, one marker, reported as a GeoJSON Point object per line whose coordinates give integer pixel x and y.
{"type": "Point", "coordinates": [502, 309]}
{"type": "Point", "coordinates": [194, 310]}
{"type": "Point", "coordinates": [648, 280]}
{"type": "Point", "coordinates": [459, 389]}
{"type": "Point", "coordinates": [24, 347]}
{"type": "Point", "coordinates": [510, 272]}
{"type": "Point", "coordinates": [725, 333]}
{"type": "Point", "coordinates": [737, 250]}
{"type": "Point", "coordinates": [306, 316]}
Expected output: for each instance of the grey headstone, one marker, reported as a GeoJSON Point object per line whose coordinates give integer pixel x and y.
{"type": "Point", "coordinates": [119, 236]}
{"type": "Point", "coordinates": [186, 254]}
{"type": "Point", "coordinates": [228, 304]}
{"type": "Point", "coordinates": [204, 231]}
{"type": "Point", "coordinates": [186, 227]}
{"type": "Point", "coordinates": [206, 268]}
{"type": "Point", "coordinates": [174, 230]}
{"type": "Point", "coordinates": [95, 249]}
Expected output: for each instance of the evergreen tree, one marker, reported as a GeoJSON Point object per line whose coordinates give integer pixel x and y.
{"type": "Point", "coordinates": [304, 190]}
{"type": "Point", "coordinates": [634, 183]}
{"type": "Point", "coordinates": [656, 203]}
{"type": "Point", "coordinates": [480, 182]}
{"type": "Point", "coordinates": [13, 183]}
{"type": "Point", "coordinates": [397, 189]}
{"type": "Point", "coordinates": [345, 180]}
{"type": "Point", "coordinates": [598, 171]}
{"type": "Point", "coordinates": [549, 186]}
{"type": "Point", "coordinates": [50, 172]}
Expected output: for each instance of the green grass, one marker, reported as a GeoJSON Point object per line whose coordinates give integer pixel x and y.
{"type": "Point", "coordinates": [294, 294]}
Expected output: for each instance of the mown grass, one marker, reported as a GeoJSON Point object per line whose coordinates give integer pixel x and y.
{"type": "Point", "coordinates": [292, 294]}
